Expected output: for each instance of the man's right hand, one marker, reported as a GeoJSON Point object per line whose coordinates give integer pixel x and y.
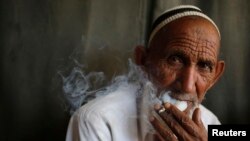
{"type": "Point", "coordinates": [181, 127]}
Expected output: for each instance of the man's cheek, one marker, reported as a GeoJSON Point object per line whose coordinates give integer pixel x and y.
{"type": "Point", "coordinates": [201, 95]}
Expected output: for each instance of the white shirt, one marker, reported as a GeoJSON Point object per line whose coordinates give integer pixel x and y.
{"type": "Point", "coordinates": [114, 117]}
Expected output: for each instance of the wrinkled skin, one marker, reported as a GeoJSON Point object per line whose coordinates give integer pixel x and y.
{"type": "Point", "coordinates": [182, 57]}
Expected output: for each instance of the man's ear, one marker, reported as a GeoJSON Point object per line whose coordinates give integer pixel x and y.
{"type": "Point", "coordinates": [218, 72]}
{"type": "Point", "coordinates": [139, 55]}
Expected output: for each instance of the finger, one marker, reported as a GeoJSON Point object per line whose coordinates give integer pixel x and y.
{"type": "Point", "coordinates": [197, 117]}
{"type": "Point", "coordinates": [182, 119]}
{"type": "Point", "coordinates": [153, 137]}
{"type": "Point", "coordinates": [172, 123]}
{"type": "Point", "coordinates": [162, 131]}
{"type": "Point", "coordinates": [158, 137]}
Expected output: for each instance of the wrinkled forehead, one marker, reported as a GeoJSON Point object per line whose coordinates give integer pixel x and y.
{"type": "Point", "coordinates": [191, 30]}
{"type": "Point", "coordinates": [194, 47]}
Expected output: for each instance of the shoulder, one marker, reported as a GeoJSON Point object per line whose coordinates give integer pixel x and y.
{"type": "Point", "coordinates": [208, 117]}
{"type": "Point", "coordinates": [96, 118]}
{"type": "Point", "coordinates": [121, 99]}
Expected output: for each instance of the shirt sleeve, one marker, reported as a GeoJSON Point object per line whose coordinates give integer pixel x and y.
{"type": "Point", "coordinates": [88, 127]}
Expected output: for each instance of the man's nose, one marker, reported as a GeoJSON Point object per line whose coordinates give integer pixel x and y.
{"type": "Point", "coordinates": [188, 80]}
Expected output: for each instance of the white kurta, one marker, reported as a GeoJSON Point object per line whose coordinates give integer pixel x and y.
{"type": "Point", "coordinates": [114, 117]}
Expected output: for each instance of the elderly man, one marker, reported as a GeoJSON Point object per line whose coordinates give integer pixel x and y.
{"type": "Point", "coordinates": [181, 61]}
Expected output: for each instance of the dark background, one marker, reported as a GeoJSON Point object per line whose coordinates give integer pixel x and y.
{"type": "Point", "coordinates": [42, 38]}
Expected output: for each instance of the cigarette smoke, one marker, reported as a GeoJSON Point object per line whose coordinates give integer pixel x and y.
{"type": "Point", "coordinates": [80, 87]}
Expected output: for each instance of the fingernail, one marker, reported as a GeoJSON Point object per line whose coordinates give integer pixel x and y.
{"type": "Point", "coordinates": [167, 105]}
{"type": "Point", "coordinates": [157, 106]}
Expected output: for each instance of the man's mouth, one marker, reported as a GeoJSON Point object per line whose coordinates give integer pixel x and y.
{"type": "Point", "coordinates": [185, 102]}
{"type": "Point", "coordinates": [181, 105]}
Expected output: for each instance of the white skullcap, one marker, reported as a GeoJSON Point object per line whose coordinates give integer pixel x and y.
{"type": "Point", "coordinates": [174, 14]}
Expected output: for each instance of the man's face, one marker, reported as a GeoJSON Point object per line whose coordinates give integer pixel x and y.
{"type": "Point", "coordinates": [182, 58]}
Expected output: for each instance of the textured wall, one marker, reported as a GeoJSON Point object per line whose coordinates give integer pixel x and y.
{"type": "Point", "coordinates": [230, 98]}
{"type": "Point", "coordinates": [41, 38]}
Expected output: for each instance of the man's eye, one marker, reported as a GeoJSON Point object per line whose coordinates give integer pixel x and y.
{"type": "Point", "coordinates": [175, 59]}
{"type": "Point", "coordinates": [205, 66]}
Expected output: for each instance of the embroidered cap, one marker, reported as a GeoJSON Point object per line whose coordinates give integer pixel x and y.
{"type": "Point", "coordinates": [177, 13]}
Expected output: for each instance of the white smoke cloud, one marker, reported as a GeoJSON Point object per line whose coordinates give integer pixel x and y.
{"type": "Point", "coordinates": [80, 87]}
